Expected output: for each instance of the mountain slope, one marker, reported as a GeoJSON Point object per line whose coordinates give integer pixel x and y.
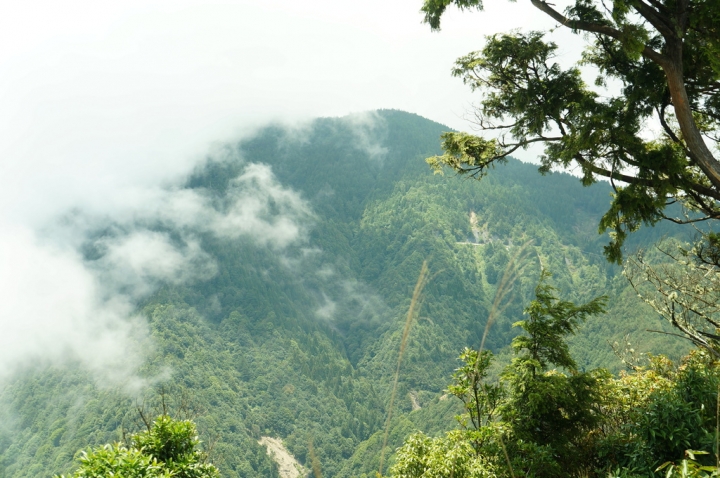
{"type": "Point", "coordinates": [312, 240]}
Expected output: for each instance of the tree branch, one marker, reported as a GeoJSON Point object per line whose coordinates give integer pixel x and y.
{"type": "Point", "coordinates": [661, 24]}
{"type": "Point", "coordinates": [595, 28]}
{"type": "Point", "coordinates": [611, 174]}
{"type": "Point", "coordinates": [666, 127]}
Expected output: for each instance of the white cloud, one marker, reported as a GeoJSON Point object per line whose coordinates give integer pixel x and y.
{"type": "Point", "coordinates": [105, 105]}
{"type": "Point", "coordinates": [369, 305]}
{"type": "Point", "coordinates": [62, 308]}
{"type": "Point", "coordinates": [345, 298]}
{"type": "Point", "coordinates": [263, 209]}
{"type": "Point", "coordinates": [256, 206]}
{"type": "Point", "coordinates": [99, 98]}
{"type": "Point", "coordinates": [327, 310]}
{"type": "Point", "coordinates": [135, 264]}
{"type": "Point", "coordinates": [52, 313]}
{"type": "Point", "coordinates": [370, 130]}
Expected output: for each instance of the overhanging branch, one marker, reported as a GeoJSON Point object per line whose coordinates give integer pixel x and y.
{"type": "Point", "coordinates": [596, 28]}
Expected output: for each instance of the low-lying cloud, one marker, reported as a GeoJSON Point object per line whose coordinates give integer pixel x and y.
{"type": "Point", "coordinates": [54, 311]}
{"type": "Point", "coordinates": [72, 284]}
{"type": "Point", "coordinates": [71, 289]}
{"type": "Point", "coordinates": [137, 263]}
{"type": "Point", "coordinates": [343, 298]}
{"type": "Point", "coordinates": [255, 205]}
{"type": "Point", "coordinates": [263, 209]}
{"type": "Point", "coordinates": [369, 130]}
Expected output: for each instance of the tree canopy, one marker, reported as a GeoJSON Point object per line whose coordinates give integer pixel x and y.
{"type": "Point", "coordinates": [656, 140]}
{"type": "Point", "coordinates": [169, 448]}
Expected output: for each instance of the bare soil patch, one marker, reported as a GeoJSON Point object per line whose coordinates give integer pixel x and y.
{"type": "Point", "coordinates": [288, 465]}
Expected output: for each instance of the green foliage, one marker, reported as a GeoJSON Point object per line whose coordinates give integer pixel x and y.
{"type": "Point", "coordinates": [659, 411]}
{"type": "Point", "coordinates": [465, 153]}
{"type": "Point", "coordinates": [547, 408]}
{"type": "Point", "coordinates": [175, 443]}
{"type": "Point", "coordinates": [170, 448]}
{"type": "Point", "coordinates": [688, 467]}
{"type": "Point", "coordinates": [663, 56]}
{"type": "Point", "coordinates": [682, 285]}
{"type": "Point", "coordinates": [109, 460]}
{"type": "Point", "coordinates": [252, 349]}
{"type": "Point", "coordinates": [545, 414]}
{"type": "Point", "coordinates": [480, 399]}
{"type": "Point", "coordinates": [452, 455]}
{"type": "Point", "coordinates": [434, 9]}
{"type": "Point", "coordinates": [552, 423]}
{"type": "Point", "coordinates": [550, 321]}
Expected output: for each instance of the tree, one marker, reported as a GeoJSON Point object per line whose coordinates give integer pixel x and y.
{"type": "Point", "coordinates": [665, 53]}
{"type": "Point", "coordinates": [683, 286]}
{"type": "Point", "coordinates": [536, 421]}
{"type": "Point", "coordinates": [169, 448]}
{"type": "Point", "coordinates": [480, 399]}
{"type": "Point", "coordinates": [451, 455]}
{"type": "Point", "coordinates": [546, 408]}
{"type": "Point", "coordinates": [546, 418]}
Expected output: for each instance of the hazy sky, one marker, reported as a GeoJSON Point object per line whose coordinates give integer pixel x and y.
{"type": "Point", "coordinates": [104, 104]}
{"type": "Point", "coordinates": [95, 95]}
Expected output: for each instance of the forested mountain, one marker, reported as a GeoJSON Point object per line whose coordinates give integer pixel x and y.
{"type": "Point", "coordinates": [312, 240]}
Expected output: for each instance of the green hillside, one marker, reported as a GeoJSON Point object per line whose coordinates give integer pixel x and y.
{"type": "Point", "coordinates": [299, 339]}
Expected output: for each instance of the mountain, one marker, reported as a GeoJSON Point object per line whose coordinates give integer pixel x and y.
{"type": "Point", "coordinates": [303, 245]}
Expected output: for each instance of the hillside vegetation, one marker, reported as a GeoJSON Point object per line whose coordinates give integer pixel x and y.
{"type": "Point", "coordinates": [297, 336]}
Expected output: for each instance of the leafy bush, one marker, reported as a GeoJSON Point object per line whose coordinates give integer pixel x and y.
{"type": "Point", "coordinates": [169, 448]}
{"type": "Point", "coordinates": [559, 422]}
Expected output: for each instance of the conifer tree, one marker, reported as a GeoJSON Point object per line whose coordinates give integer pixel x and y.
{"type": "Point", "coordinates": [664, 53]}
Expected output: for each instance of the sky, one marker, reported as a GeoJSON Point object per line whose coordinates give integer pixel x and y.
{"type": "Point", "coordinates": [105, 106]}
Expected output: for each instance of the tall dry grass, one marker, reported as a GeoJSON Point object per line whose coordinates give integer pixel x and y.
{"type": "Point", "coordinates": [314, 461]}
{"type": "Point", "coordinates": [501, 300]}
{"type": "Point", "coordinates": [415, 304]}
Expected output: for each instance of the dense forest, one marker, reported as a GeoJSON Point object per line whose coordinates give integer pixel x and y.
{"type": "Point", "coordinates": [296, 330]}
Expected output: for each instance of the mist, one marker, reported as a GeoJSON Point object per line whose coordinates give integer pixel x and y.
{"type": "Point", "coordinates": [73, 286]}
{"type": "Point", "coordinates": [107, 108]}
